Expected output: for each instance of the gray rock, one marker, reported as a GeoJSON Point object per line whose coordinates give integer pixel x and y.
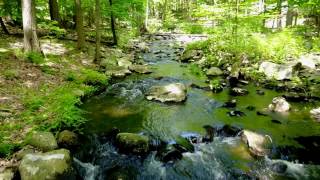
{"type": "Point", "coordinates": [189, 55]}
{"type": "Point", "coordinates": [132, 143]}
{"type": "Point", "coordinates": [118, 71]}
{"type": "Point", "coordinates": [51, 165]}
{"type": "Point", "coordinates": [45, 141]}
{"type": "Point", "coordinates": [142, 69]}
{"type": "Point", "coordinates": [276, 71]}
{"type": "Point", "coordinates": [238, 92]}
{"type": "Point", "coordinates": [309, 61]}
{"type": "Point", "coordinates": [279, 104]}
{"type": "Point", "coordinates": [214, 71]}
{"type": "Point", "coordinates": [123, 62]}
{"type": "Point", "coordinates": [175, 92]}
{"type": "Point", "coordinates": [315, 113]}
{"type": "Point", "coordinates": [258, 144]}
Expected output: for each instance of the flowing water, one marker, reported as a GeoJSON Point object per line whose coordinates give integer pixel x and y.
{"type": "Point", "coordinates": [124, 106]}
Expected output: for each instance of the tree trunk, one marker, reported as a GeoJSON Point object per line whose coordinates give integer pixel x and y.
{"type": "Point", "coordinates": [164, 12]}
{"type": "Point", "coordinates": [98, 32]}
{"type": "Point", "coordinates": [54, 10]}
{"type": "Point", "coordinates": [79, 25]}
{"type": "Point", "coordinates": [113, 26]}
{"type": "Point", "coordinates": [146, 16]}
{"type": "Point", "coordinates": [3, 26]}
{"type": "Point", "coordinates": [31, 42]}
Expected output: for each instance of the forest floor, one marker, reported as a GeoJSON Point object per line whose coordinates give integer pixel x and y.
{"type": "Point", "coordinates": [42, 93]}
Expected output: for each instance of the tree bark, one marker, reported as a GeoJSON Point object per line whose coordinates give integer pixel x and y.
{"type": "Point", "coordinates": [31, 42]}
{"type": "Point", "coordinates": [98, 33]}
{"type": "Point", "coordinates": [79, 25]}
{"type": "Point", "coordinates": [3, 26]}
{"type": "Point", "coordinates": [113, 26]}
{"type": "Point", "coordinates": [54, 10]}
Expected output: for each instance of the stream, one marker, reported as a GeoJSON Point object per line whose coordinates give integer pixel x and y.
{"type": "Point", "coordinates": [124, 106]}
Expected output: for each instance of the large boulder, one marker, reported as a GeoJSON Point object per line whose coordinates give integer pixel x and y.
{"type": "Point", "coordinates": [309, 61]}
{"type": "Point", "coordinates": [276, 71]}
{"type": "Point", "coordinates": [142, 69]}
{"type": "Point", "coordinates": [45, 141]}
{"type": "Point", "coordinates": [175, 92]}
{"type": "Point", "coordinates": [258, 144]}
{"type": "Point", "coordinates": [279, 104]}
{"type": "Point", "coordinates": [214, 71]}
{"type": "Point", "coordinates": [7, 174]}
{"type": "Point", "coordinates": [132, 143]}
{"type": "Point", "coordinates": [67, 139]}
{"type": "Point", "coordinates": [123, 62]}
{"type": "Point", "coordinates": [315, 113]}
{"type": "Point", "coordinates": [51, 165]}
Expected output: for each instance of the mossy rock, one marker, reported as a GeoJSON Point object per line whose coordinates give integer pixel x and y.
{"type": "Point", "coordinates": [67, 139]}
{"type": "Point", "coordinates": [51, 165]}
{"type": "Point", "coordinates": [44, 141]}
{"type": "Point", "coordinates": [132, 143]}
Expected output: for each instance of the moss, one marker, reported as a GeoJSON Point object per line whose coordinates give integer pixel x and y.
{"type": "Point", "coordinates": [134, 143]}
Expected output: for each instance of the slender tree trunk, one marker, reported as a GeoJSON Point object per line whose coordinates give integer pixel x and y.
{"type": "Point", "coordinates": [113, 26]}
{"type": "Point", "coordinates": [164, 12]}
{"type": "Point", "coordinates": [3, 26]}
{"type": "Point", "coordinates": [31, 42]}
{"type": "Point", "coordinates": [79, 25]}
{"type": "Point", "coordinates": [147, 15]}
{"type": "Point", "coordinates": [54, 10]}
{"type": "Point", "coordinates": [98, 32]}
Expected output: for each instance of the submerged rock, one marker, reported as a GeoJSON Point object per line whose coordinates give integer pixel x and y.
{"type": "Point", "coordinates": [132, 143]}
{"type": "Point", "coordinates": [214, 71]}
{"type": "Point", "coordinates": [175, 92]}
{"type": "Point", "coordinates": [170, 153]}
{"type": "Point", "coordinates": [51, 165]}
{"type": "Point", "coordinates": [257, 143]}
{"type": "Point", "coordinates": [277, 71]}
{"type": "Point", "coordinates": [67, 139]}
{"type": "Point", "coordinates": [235, 113]}
{"type": "Point", "coordinates": [238, 92]}
{"type": "Point", "coordinates": [45, 141]}
{"type": "Point", "coordinates": [260, 92]}
{"type": "Point", "coordinates": [227, 130]}
{"type": "Point", "coordinates": [230, 104]}
{"type": "Point", "coordinates": [315, 113]}
{"type": "Point", "coordinates": [279, 104]}
{"type": "Point", "coordinates": [142, 69]}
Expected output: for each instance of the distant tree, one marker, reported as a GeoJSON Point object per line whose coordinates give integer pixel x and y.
{"type": "Point", "coordinates": [54, 10]}
{"type": "Point", "coordinates": [113, 25]}
{"type": "Point", "coordinates": [98, 31]}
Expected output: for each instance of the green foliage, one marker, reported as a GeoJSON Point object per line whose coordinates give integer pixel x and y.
{"type": "Point", "coordinates": [6, 149]}
{"type": "Point", "coordinates": [34, 57]}
{"type": "Point", "coordinates": [53, 28]}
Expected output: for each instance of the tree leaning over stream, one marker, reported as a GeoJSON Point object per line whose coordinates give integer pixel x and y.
{"type": "Point", "coordinates": [31, 42]}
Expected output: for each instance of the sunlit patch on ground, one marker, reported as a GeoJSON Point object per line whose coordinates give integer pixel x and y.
{"type": "Point", "coordinates": [3, 50]}
{"type": "Point", "coordinates": [53, 48]}
{"type": "Point", "coordinates": [16, 45]}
